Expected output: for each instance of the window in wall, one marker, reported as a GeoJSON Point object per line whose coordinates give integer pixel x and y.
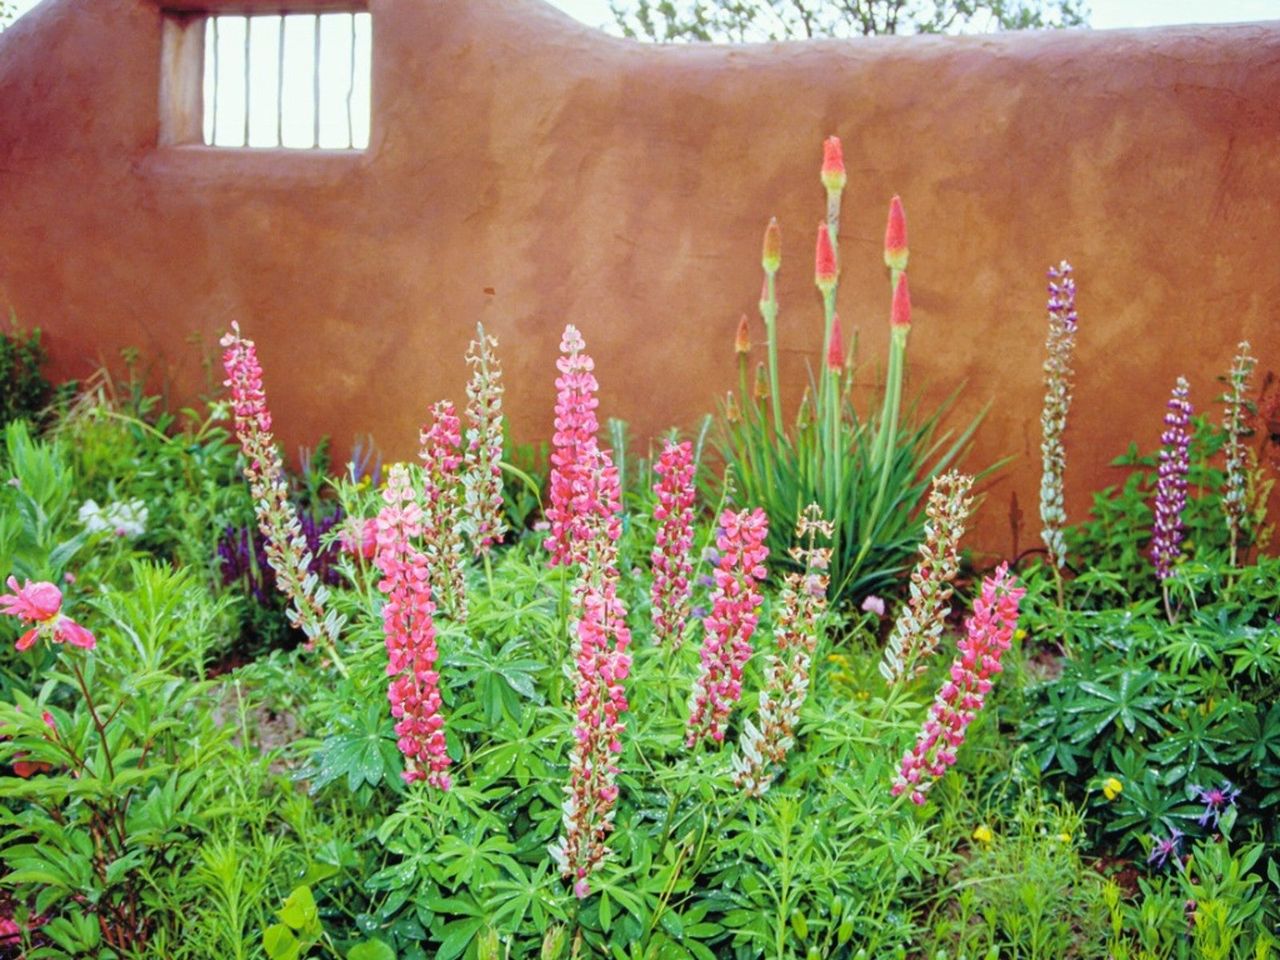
{"type": "Point", "coordinates": [296, 80]}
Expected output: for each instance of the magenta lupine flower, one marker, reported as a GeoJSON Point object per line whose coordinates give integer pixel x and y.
{"type": "Point", "coordinates": [1162, 851]}
{"type": "Point", "coordinates": [573, 452]}
{"type": "Point", "coordinates": [409, 628]}
{"type": "Point", "coordinates": [601, 664]}
{"type": "Point", "coordinates": [673, 542]}
{"type": "Point", "coordinates": [40, 603]}
{"type": "Point", "coordinates": [727, 629]}
{"type": "Point", "coordinates": [442, 519]}
{"type": "Point", "coordinates": [482, 479]}
{"type": "Point", "coordinates": [1171, 485]}
{"type": "Point", "coordinates": [1216, 800]}
{"type": "Point", "coordinates": [287, 551]}
{"type": "Point", "coordinates": [987, 636]}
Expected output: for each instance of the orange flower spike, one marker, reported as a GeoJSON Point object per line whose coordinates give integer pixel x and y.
{"type": "Point", "coordinates": [771, 256]}
{"type": "Point", "coordinates": [900, 315]}
{"type": "Point", "coordinates": [833, 173]}
{"type": "Point", "coordinates": [742, 343]}
{"type": "Point", "coordinates": [835, 349]}
{"type": "Point", "coordinates": [895, 237]}
{"type": "Point", "coordinates": [824, 269]}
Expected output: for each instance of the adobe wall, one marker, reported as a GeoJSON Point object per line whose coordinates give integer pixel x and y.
{"type": "Point", "coordinates": [525, 171]}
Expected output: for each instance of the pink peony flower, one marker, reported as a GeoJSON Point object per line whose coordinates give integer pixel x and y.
{"type": "Point", "coordinates": [33, 602]}
{"type": "Point", "coordinates": [41, 603]}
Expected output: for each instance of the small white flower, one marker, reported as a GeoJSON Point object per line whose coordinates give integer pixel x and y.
{"type": "Point", "coordinates": [125, 518]}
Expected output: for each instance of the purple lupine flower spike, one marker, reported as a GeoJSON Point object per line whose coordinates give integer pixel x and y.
{"type": "Point", "coordinates": [1171, 487]}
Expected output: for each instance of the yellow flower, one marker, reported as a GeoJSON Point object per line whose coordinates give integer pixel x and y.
{"type": "Point", "coordinates": [1019, 634]}
{"type": "Point", "coordinates": [1112, 788]}
{"type": "Point", "coordinates": [983, 834]}
{"type": "Point", "coordinates": [1064, 837]}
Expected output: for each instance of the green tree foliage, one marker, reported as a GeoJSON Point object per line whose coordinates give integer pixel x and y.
{"type": "Point", "coordinates": [740, 21]}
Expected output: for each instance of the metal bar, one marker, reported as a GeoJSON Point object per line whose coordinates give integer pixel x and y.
{"type": "Point", "coordinates": [213, 129]}
{"type": "Point", "coordinates": [280, 87]}
{"type": "Point", "coordinates": [351, 89]}
{"type": "Point", "coordinates": [248, 75]}
{"type": "Point", "coordinates": [316, 85]}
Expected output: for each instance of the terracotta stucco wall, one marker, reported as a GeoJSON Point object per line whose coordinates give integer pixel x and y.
{"type": "Point", "coordinates": [525, 171]}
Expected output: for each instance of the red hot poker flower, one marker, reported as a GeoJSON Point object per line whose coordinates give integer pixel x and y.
{"type": "Point", "coordinates": [900, 314]}
{"type": "Point", "coordinates": [833, 173]}
{"type": "Point", "coordinates": [824, 261]}
{"type": "Point", "coordinates": [835, 349]}
{"type": "Point", "coordinates": [895, 237]}
{"type": "Point", "coordinates": [742, 342]}
{"type": "Point", "coordinates": [771, 257]}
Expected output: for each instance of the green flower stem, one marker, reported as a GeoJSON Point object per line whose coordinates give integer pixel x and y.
{"type": "Point", "coordinates": [769, 311]}
{"type": "Point", "coordinates": [886, 440]}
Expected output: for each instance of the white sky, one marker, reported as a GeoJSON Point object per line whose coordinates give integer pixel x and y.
{"type": "Point", "coordinates": [1106, 13]}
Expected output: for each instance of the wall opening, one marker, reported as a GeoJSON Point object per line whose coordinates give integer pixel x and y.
{"type": "Point", "coordinates": [297, 80]}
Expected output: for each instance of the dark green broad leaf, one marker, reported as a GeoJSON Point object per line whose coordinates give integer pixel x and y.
{"type": "Point", "coordinates": [365, 753]}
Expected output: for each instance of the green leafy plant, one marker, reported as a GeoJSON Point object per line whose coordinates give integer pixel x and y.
{"type": "Point", "coordinates": [870, 475]}
{"type": "Point", "coordinates": [24, 390]}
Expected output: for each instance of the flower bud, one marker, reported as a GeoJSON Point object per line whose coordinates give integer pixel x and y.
{"type": "Point", "coordinates": [760, 389]}
{"type": "Point", "coordinates": [824, 261]}
{"type": "Point", "coordinates": [771, 257]}
{"type": "Point", "coordinates": [900, 315]}
{"type": "Point", "coordinates": [742, 342]}
{"type": "Point", "coordinates": [833, 174]}
{"type": "Point", "coordinates": [895, 237]}
{"type": "Point", "coordinates": [835, 348]}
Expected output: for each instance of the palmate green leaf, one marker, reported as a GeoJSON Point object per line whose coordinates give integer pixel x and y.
{"type": "Point", "coordinates": [365, 753]}
{"type": "Point", "coordinates": [371, 950]}
{"type": "Point", "coordinates": [456, 936]}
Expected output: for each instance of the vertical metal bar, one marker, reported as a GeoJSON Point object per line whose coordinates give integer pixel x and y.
{"type": "Point", "coordinates": [351, 88]}
{"type": "Point", "coordinates": [280, 87]}
{"type": "Point", "coordinates": [248, 74]}
{"type": "Point", "coordinates": [316, 85]}
{"type": "Point", "coordinates": [213, 133]}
